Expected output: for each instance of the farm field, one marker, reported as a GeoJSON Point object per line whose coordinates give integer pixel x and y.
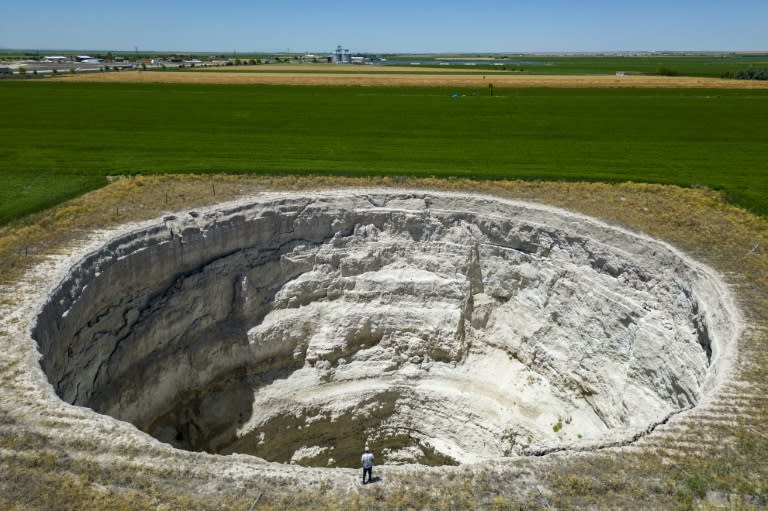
{"type": "Point", "coordinates": [417, 77]}
{"type": "Point", "coordinates": [683, 65]}
{"type": "Point", "coordinates": [67, 137]}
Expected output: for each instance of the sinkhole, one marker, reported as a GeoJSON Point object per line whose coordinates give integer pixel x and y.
{"type": "Point", "coordinates": [436, 328]}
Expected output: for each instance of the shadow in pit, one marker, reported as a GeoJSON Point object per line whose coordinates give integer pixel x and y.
{"type": "Point", "coordinates": [207, 419]}
{"type": "Point", "coordinates": [339, 438]}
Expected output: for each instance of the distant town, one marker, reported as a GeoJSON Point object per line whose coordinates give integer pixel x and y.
{"type": "Point", "coordinates": [26, 62]}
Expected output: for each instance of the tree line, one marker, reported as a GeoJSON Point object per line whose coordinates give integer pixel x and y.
{"type": "Point", "coordinates": [753, 73]}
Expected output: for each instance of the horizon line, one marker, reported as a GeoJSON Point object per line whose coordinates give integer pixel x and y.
{"type": "Point", "coordinates": [287, 51]}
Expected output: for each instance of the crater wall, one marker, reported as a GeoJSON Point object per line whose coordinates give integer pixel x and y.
{"type": "Point", "coordinates": [437, 328]}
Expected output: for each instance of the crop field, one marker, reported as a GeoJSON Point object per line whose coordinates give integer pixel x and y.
{"type": "Point", "coordinates": [66, 138]}
{"type": "Point", "coordinates": [710, 66]}
{"type": "Point", "coordinates": [358, 76]}
{"type": "Point", "coordinates": [683, 65]}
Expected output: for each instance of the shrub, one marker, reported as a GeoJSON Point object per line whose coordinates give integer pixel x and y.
{"type": "Point", "coordinates": [697, 485]}
{"type": "Point", "coordinates": [754, 73]}
{"type": "Point", "coordinates": [666, 71]}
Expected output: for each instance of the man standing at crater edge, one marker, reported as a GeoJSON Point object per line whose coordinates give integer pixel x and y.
{"type": "Point", "coordinates": [367, 459]}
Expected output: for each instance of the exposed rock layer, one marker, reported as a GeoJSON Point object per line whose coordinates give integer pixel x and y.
{"type": "Point", "coordinates": [438, 328]}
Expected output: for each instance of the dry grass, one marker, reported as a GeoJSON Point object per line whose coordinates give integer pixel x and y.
{"type": "Point", "coordinates": [697, 220]}
{"type": "Point", "coordinates": [415, 79]}
{"type": "Point", "coordinates": [706, 459]}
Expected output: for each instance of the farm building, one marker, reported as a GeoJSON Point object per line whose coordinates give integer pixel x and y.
{"type": "Point", "coordinates": [341, 56]}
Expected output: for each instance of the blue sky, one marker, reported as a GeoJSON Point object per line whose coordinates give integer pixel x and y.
{"type": "Point", "coordinates": [393, 26]}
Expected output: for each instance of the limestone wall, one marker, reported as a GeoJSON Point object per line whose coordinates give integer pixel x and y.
{"type": "Point", "coordinates": [447, 328]}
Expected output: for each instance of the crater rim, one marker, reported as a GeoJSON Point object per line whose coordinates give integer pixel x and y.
{"type": "Point", "coordinates": [722, 348]}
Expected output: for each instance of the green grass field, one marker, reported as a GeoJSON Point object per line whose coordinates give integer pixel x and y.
{"type": "Point", "coordinates": [683, 65]}
{"type": "Point", "coordinates": [61, 139]}
{"type": "Point", "coordinates": [712, 66]}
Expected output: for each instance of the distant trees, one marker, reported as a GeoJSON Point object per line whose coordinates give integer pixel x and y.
{"type": "Point", "coordinates": [666, 71]}
{"type": "Point", "coordinates": [753, 73]}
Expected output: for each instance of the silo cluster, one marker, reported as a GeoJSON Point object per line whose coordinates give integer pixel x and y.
{"type": "Point", "coordinates": [342, 56]}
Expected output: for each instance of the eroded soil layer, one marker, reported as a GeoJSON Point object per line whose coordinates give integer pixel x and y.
{"type": "Point", "coordinates": [437, 328]}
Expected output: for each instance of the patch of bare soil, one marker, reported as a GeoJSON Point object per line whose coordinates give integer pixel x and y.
{"type": "Point", "coordinates": [416, 79]}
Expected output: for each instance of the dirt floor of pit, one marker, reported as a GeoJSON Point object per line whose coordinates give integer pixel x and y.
{"type": "Point", "coordinates": [710, 458]}
{"type": "Point", "coordinates": [414, 79]}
